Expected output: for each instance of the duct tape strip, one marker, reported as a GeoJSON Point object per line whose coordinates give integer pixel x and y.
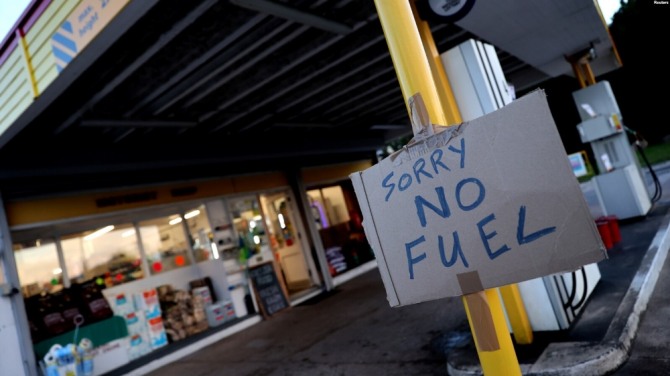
{"type": "Point", "coordinates": [480, 312]}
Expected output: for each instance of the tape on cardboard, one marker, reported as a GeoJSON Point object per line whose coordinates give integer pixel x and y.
{"type": "Point", "coordinates": [470, 282]}
{"type": "Point", "coordinates": [480, 311]}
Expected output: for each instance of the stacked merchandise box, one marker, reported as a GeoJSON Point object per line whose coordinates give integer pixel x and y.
{"type": "Point", "coordinates": [220, 312]}
{"type": "Point", "coordinates": [183, 314]}
{"type": "Point", "coordinates": [138, 330]}
{"type": "Point", "coordinates": [149, 306]}
{"type": "Point", "coordinates": [204, 293]}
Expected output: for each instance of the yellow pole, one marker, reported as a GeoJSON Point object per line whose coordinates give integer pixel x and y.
{"type": "Point", "coordinates": [414, 75]}
{"type": "Point", "coordinates": [502, 361]}
{"type": "Point", "coordinates": [578, 74]}
{"type": "Point", "coordinates": [590, 78]}
{"type": "Point", "coordinates": [29, 64]}
{"type": "Point", "coordinates": [409, 57]}
{"type": "Point", "coordinates": [437, 69]}
{"type": "Point", "coordinates": [516, 312]}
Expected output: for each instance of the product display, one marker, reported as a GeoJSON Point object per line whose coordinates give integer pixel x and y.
{"type": "Point", "coordinates": [53, 314]}
{"type": "Point", "coordinates": [184, 314]}
{"type": "Point", "coordinates": [147, 302]}
{"type": "Point", "coordinates": [219, 313]}
{"type": "Point", "coordinates": [69, 360]}
{"type": "Point", "coordinates": [138, 330]}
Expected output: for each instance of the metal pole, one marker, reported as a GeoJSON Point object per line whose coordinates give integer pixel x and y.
{"type": "Point", "coordinates": [18, 306]}
{"type": "Point", "coordinates": [414, 75]}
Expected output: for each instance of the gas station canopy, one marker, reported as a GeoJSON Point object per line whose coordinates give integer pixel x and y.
{"type": "Point", "coordinates": [177, 90]}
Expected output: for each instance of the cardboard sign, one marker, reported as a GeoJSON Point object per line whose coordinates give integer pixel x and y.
{"type": "Point", "coordinates": [481, 205]}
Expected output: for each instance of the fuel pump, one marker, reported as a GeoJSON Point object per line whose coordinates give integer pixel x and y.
{"type": "Point", "coordinates": [619, 186]}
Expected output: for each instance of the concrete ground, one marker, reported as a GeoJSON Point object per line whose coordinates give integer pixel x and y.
{"type": "Point", "coordinates": [350, 332]}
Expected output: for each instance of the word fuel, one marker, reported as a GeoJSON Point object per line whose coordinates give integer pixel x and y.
{"type": "Point", "coordinates": [429, 168]}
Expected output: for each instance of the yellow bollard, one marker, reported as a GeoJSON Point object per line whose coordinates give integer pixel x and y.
{"type": "Point", "coordinates": [497, 357]}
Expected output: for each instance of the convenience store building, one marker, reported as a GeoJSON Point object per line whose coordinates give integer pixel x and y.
{"type": "Point", "coordinates": [145, 143]}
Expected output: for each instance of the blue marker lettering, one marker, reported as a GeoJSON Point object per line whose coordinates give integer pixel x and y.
{"type": "Point", "coordinates": [530, 237]}
{"type": "Point", "coordinates": [456, 251]}
{"type": "Point", "coordinates": [420, 202]}
{"type": "Point", "coordinates": [419, 169]}
{"type": "Point", "coordinates": [460, 151]}
{"type": "Point", "coordinates": [411, 261]}
{"type": "Point", "coordinates": [435, 160]}
{"type": "Point", "coordinates": [385, 185]}
{"type": "Point", "coordinates": [480, 197]}
{"type": "Point", "coordinates": [407, 178]}
{"type": "Point", "coordinates": [486, 237]}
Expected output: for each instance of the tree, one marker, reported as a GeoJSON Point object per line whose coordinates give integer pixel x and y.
{"type": "Point", "coordinates": [640, 32]}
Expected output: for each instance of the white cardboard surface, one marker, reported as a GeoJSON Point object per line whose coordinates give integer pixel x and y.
{"type": "Point", "coordinates": [499, 186]}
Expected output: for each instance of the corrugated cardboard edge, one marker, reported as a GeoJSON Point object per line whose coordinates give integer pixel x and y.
{"type": "Point", "coordinates": [373, 238]}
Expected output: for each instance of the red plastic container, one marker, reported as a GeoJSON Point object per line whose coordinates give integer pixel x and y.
{"type": "Point", "coordinates": [614, 228]}
{"type": "Point", "coordinates": [605, 233]}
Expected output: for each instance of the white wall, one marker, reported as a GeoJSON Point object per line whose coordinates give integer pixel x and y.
{"type": "Point", "coordinates": [179, 279]}
{"type": "Point", "coordinates": [10, 355]}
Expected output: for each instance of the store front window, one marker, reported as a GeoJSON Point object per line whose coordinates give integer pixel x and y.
{"type": "Point", "coordinates": [250, 227]}
{"type": "Point", "coordinates": [337, 216]}
{"type": "Point", "coordinates": [110, 253]}
{"type": "Point", "coordinates": [38, 267]}
{"type": "Point", "coordinates": [165, 243]}
{"type": "Point", "coordinates": [201, 234]}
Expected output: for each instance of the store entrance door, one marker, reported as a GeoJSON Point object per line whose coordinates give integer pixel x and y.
{"type": "Point", "coordinates": [285, 240]}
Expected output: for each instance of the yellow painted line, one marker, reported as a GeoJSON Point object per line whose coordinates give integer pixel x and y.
{"type": "Point", "coordinates": [29, 64]}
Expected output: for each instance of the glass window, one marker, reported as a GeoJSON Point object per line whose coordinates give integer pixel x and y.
{"type": "Point", "coordinates": [338, 219]}
{"type": "Point", "coordinates": [165, 244]}
{"type": "Point", "coordinates": [201, 234]}
{"type": "Point", "coordinates": [38, 267]}
{"type": "Point", "coordinates": [249, 225]}
{"type": "Point", "coordinates": [111, 253]}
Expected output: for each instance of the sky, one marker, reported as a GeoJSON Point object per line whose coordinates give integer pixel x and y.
{"type": "Point", "coordinates": [10, 10]}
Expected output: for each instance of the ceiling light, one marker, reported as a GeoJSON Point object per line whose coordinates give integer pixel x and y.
{"type": "Point", "coordinates": [215, 251]}
{"type": "Point", "coordinates": [192, 214]}
{"type": "Point", "coordinates": [99, 233]}
{"type": "Point", "coordinates": [128, 233]}
{"type": "Point", "coordinates": [175, 221]}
